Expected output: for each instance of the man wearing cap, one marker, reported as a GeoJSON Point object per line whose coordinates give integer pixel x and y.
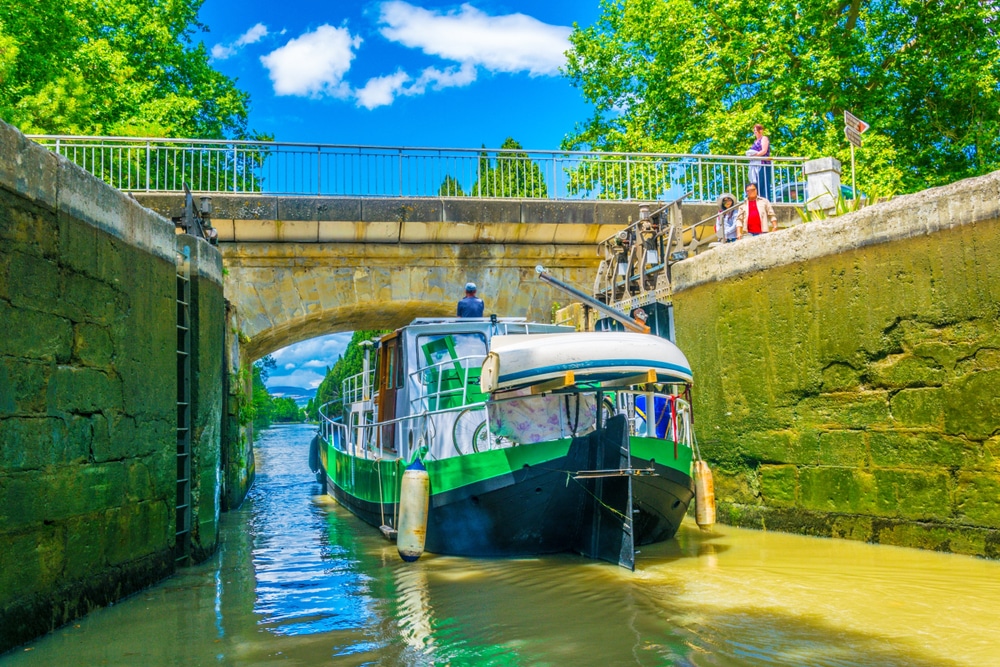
{"type": "Point", "coordinates": [471, 305]}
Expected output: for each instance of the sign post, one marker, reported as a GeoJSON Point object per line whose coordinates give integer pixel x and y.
{"type": "Point", "coordinates": [854, 127]}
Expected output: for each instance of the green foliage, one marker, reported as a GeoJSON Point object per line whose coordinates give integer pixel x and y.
{"type": "Point", "coordinates": [841, 206]}
{"type": "Point", "coordinates": [695, 75]}
{"type": "Point", "coordinates": [285, 410]}
{"type": "Point", "coordinates": [262, 399]}
{"type": "Point", "coordinates": [509, 175]}
{"type": "Point", "coordinates": [245, 411]}
{"type": "Point", "coordinates": [113, 67]}
{"type": "Point", "coordinates": [260, 407]}
{"type": "Point", "coordinates": [450, 187]}
{"type": "Point", "coordinates": [350, 363]}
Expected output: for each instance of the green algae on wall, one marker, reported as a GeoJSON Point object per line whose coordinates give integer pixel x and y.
{"type": "Point", "coordinates": [857, 394]}
{"type": "Point", "coordinates": [88, 394]}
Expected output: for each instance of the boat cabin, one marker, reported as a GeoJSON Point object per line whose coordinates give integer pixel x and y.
{"type": "Point", "coordinates": [423, 378]}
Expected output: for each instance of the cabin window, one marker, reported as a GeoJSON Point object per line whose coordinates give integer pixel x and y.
{"type": "Point", "coordinates": [438, 348]}
{"type": "Point", "coordinates": [390, 365]}
{"type": "Point", "coordinates": [400, 367]}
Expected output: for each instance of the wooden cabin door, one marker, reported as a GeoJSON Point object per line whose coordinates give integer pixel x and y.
{"type": "Point", "coordinates": [389, 372]}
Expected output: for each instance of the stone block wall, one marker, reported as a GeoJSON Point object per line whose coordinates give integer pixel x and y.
{"type": "Point", "coordinates": [88, 393]}
{"type": "Point", "coordinates": [847, 373]}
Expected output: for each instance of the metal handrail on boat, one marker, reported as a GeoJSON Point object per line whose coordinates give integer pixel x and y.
{"type": "Point", "coordinates": [678, 422]}
{"type": "Point", "coordinates": [367, 443]}
{"type": "Point", "coordinates": [353, 387]}
{"type": "Point", "coordinates": [444, 376]}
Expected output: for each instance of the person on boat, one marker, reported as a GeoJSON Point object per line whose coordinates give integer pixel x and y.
{"type": "Point", "coordinates": [471, 305]}
{"type": "Point", "coordinates": [755, 215]}
{"type": "Point", "coordinates": [725, 220]}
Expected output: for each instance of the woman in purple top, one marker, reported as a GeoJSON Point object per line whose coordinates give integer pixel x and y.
{"type": "Point", "coordinates": [762, 148]}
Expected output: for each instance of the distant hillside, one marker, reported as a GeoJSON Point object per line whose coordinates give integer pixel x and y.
{"type": "Point", "coordinates": [300, 395]}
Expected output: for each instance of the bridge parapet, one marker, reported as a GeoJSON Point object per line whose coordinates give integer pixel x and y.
{"type": "Point", "coordinates": [268, 218]}
{"type": "Point", "coordinates": [239, 167]}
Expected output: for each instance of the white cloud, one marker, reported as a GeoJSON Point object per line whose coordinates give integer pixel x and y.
{"type": "Point", "coordinates": [304, 364]}
{"type": "Point", "coordinates": [299, 378]}
{"type": "Point", "coordinates": [251, 36]}
{"type": "Point", "coordinates": [509, 43]}
{"type": "Point", "coordinates": [447, 78]}
{"type": "Point", "coordinates": [381, 91]}
{"type": "Point", "coordinates": [220, 52]}
{"type": "Point", "coordinates": [313, 64]}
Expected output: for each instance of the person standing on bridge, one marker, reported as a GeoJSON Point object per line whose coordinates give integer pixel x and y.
{"type": "Point", "coordinates": [761, 149]}
{"type": "Point", "coordinates": [471, 305]}
{"type": "Point", "coordinates": [755, 215]}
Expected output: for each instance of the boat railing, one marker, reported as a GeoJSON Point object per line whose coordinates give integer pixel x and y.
{"type": "Point", "coordinates": [461, 429]}
{"type": "Point", "coordinates": [451, 383]}
{"type": "Point", "coordinates": [358, 387]}
{"type": "Point", "coordinates": [331, 428]}
{"type": "Point", "coordinates": [671, 415]}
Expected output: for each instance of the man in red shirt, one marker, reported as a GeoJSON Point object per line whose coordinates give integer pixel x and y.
{"type": "Point", "coordinates": [755, 215]}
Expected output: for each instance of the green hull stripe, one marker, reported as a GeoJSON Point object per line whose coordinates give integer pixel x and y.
{"type": "Point", "coordinates": [362, 477]}
{"type": "Point", "coordinates": [663, 452]}
{"type": "Point", "coordinates": [458, 471]}
{"type": "Point", "coordinates": [378, 481]}
{"type": "Point", "coordinates": [371, 481]}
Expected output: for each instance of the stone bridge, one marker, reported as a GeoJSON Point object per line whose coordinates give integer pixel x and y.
{"type": "Point", "coordinates": [302, 267]}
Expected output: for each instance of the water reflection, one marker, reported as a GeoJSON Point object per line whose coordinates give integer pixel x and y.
{"type": "Point", "coordinates": [300, 581]}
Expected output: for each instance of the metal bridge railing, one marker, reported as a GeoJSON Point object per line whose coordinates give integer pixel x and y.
{"type": "Point", "coordinates": [220, 166]}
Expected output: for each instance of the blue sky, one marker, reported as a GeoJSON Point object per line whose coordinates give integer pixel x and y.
{"type": "Point", "coordinates": [402, 73]}
{"type": "Point", "coordinates": [397, 73]}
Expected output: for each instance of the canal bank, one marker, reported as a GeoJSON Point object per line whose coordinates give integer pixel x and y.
{"type": "Point", "coordinates": [848, 372]}
{"type": "Point", "coordinates": [111, 393]}
{"type": "Point", "coordinates": [299, 580]}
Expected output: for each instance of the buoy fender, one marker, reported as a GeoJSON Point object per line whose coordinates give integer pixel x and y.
{"type": "Point", "coordinates": [414, 499]}
{"type": "Point", "coordinates": [704, 496]}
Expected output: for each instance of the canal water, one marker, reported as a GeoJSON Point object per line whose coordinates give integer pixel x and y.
{"type": "Point", "coordinates": [299, 581]}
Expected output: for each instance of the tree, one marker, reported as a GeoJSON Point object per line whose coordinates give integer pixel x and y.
{"type": "Point", "coordinates": [450, 187]}
{"type": "Point", "coordinates": [511, 174]}
{"type": "Point", "coordinates": [115, 67]}
{"type": "Point", "coordinates": [695, 75]}
{"type": "Point", "coordinates": [285, 409]}
{"type": "Point", "coordinates": [262, 399]}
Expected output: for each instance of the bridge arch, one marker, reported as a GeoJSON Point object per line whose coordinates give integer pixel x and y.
{"type": "Point", "coordinates": [286, 293]}
{"type": "Point", "coordinates": [299, 267]}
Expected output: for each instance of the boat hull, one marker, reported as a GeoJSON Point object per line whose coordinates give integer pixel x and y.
{"type": "Point", "coordinates": [530, 500]}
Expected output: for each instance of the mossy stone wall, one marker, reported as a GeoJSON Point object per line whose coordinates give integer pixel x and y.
{"type": "Point", "coordinates": [848, 375]}
{"type": "Point", "coordinates": [88, 390]}
{"type": "Point", "coordinates": [208, 368]}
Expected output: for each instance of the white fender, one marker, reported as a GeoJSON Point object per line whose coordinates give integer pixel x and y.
{"type": "Point", "coordinates": [414, 499]}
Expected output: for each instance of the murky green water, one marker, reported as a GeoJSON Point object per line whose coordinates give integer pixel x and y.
{"type": "Point", "coordinates": [299, 581]}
